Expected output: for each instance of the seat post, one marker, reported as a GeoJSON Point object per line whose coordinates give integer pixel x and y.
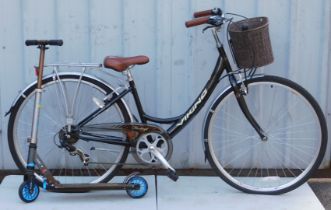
{"type": "Point", "coordinates": [40, 71]}
{"type": "Point", "coordinates": [128, 73]}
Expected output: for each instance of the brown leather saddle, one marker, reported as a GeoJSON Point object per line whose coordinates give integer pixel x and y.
{"type": "Point", "coordinates": [122, 63]}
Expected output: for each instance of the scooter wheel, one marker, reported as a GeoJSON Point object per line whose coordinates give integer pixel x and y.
{"type": "Point", "coordinates": [143, 187]}
{"type": "Point", "coordinates": [28, 191]}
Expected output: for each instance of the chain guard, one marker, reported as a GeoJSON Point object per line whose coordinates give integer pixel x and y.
{"type": "Point", "coordinates": [131, 130]}
{"type": "Point", "coordinates": [140, 135]}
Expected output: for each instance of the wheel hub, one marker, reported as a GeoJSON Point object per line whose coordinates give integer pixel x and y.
{"type": "Point", "coordinates": [67, 137]}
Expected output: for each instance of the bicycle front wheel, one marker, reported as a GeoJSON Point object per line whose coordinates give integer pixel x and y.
{"type": "Point", "coordinates": [296, 137]}
{"type": "Point", "coordinates": [66, 100]}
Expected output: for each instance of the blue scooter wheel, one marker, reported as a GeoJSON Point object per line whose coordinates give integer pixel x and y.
{"type": "Point", "coordinates": [143, 187]}
{"type": "Point", "coordinates": [28, 191]}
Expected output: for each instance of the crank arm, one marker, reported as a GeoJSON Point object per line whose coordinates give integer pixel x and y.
{"type": "Point", "coordinates": [171, 172]}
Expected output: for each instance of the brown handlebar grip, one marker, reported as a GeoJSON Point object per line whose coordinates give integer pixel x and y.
{"type": "Point", "coordinates": [197, 21]}
{"type": "Point", "coordinates": [203, 13]}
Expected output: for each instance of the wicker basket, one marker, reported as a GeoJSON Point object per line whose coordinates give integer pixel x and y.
{"type": "Point", "coordinates": [250, 42]}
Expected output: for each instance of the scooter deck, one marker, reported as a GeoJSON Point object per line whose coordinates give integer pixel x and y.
{"type": "Point", "coordinates": [71, 188]}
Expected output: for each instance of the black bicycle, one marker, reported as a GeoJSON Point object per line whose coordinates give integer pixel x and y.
{"type": "Point", "coordinates": [263, 134]}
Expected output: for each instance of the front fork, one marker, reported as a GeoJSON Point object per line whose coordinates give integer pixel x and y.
{"type": "Point", "coordinates": [239, 93]}
{"type": "Point", "coordinates": [238, 89]}
{"type": "Point", "coordinates": [32, 153]}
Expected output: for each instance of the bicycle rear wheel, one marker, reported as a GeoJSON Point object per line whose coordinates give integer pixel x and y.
{"type": "Point", "coordinates": [296, 137]}
{"type": "Point", "coordinates": [67, 100]}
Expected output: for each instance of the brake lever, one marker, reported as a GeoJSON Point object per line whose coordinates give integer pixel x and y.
{"type": "Point", "coordinates": [206, 28]}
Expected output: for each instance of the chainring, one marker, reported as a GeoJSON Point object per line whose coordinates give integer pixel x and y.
{"type": "Point", "coordinates": [142, 153]}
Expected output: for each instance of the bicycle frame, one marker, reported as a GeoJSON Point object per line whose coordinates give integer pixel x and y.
{"type": "Point", "coordinates": [179, 122]}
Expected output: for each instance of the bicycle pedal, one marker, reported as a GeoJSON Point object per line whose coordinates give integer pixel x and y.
{"type": "Point", "coordinates": [172, 175]}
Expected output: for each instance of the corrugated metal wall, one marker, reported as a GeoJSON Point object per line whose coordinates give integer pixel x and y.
{"type": "Point", "coordinates": [181, 59]}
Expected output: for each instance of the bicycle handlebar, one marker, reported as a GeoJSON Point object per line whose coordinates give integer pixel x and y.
{"type": "Point", "coordinates": [212, 16]}
{"type": "Point", "coordinates": [56, 42]}
{"type": "Point", "coordinates": [215, 11]}
{"type": "Point", "coordinates": [197, 21]}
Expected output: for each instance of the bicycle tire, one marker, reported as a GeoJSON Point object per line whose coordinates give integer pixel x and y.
{"type": "Point", "coordinates": [291, 153]}
{"type": "Point", "coordinates": [17, 141]}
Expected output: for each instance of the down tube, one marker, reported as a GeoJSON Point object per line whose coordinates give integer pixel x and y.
{"type": "Point", "coordinates": [201, 99]}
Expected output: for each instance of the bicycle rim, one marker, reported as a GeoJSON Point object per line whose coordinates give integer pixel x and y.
{"type": "Point", "coordinates": [296, 131]}
{"type": "Point", "coordinates": [55, 113]}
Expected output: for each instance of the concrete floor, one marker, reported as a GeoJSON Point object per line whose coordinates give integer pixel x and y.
{"type": "Point", "coordinates": [193, 192]}
{"type": "Point", "coordinates": [322, 189]}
